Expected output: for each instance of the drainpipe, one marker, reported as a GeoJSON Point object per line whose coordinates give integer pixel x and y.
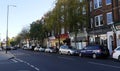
{"type": "Point", "coordinates": [114, 32]}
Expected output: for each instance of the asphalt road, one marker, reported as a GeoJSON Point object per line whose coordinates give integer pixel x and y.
{"type": "Point", "coordinates": [39, 61]}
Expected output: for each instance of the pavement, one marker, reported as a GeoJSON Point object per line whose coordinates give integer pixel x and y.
{"type": "Point", "coordinates": [6, 56]}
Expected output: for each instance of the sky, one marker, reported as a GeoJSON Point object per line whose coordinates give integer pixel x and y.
{"type": "Point", "coordinates": [25, 12]}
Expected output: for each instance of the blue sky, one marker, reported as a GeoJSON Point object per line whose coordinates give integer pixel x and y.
{"type": "Point", "coordinates": [25, 12]}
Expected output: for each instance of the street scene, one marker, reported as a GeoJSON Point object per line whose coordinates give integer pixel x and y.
{"type": "Point", "coordinates": [60, 35]}
{"type": "Point", "coordinates": [27, 60]}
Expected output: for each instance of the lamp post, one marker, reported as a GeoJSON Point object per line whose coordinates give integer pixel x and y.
{"type": "Point", "coordinates": [7, 24]}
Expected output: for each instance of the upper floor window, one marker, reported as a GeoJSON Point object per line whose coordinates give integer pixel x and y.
{"type": "Point", "coordinates": [62, 8]}
{"type": "Point", "coordinates": [62, 30]}
{"type": "Point", "coordinates": [109, 18]}
{"type": "Point", "coordinates": [90, 6]}
{"type": "Point", "coordinates": [108, 2]}
{"type": "Point", "coordinates": [84, 10]}
{"type": "Point", "coordinates": [81, 0]}
{"type": "Point", "coordinates": [98, 20]}
{"type": "Point", "coordinates": [97, 3]}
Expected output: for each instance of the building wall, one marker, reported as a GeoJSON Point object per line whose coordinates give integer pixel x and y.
{"type": "Point", "coordinates": [114, 7]}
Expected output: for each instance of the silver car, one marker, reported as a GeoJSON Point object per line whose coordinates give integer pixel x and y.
{"type": "Point", "coordinates": [68, 50]}
{"type": "Point", "coordinates": [50, 50]}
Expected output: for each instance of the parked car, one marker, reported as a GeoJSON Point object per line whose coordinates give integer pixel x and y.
{"type": "Point", "coordinates": [64, 49]}
{"type": "Point", "coordinates": [41, 49]}
{"type": "Point", "coordinates": [7, 48]}
{"type": "Point", "coordinates": [116, 53]}
{"type": "Point", "coordinates": [13, 48]}
{"type": "Point", "coordinates": [36, 48]}
{"type": "Point", "coordinates": [1, 49]}
{"type": "Point", "coordinates": [24, 47]}
{"type": "Point", "coordinates": [94, 51]}
{"type": "Point", "coordinates": [50, 49]}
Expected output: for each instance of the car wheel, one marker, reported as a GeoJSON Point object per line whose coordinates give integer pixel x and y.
{"type": "Point", "coordinates": [60, 52]}
{"type": "Point", "coordinates": [68, 53]}
{"type": "Point", "coordinates": [119, 58]}
{"type": "Point", "coordinates": [94, 56]}
{"type": "Point", "coordinates": [80, 54]}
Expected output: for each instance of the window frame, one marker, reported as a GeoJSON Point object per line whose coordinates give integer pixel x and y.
{"type": "Point", "coordinates": [99, 20]}
{"type": "Point", "coordinates": [108, 17]}
{"type": "Point", "coordinates": [97, 2]}
{"type": "Point", "coordinates": [91, 6]}
{"type": "Point", "coordinates": [107, 3]}
{"type": "Point", "coordinates": [81, 0]}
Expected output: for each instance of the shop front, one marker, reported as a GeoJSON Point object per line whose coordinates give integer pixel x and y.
{"type": "Point", "coordinates": [81, 40]}
{"type": "Point", "coordinates": [99, 35]}
{"type": "Point", "coordinates": [113, 37]}
{"type": "Point", "coordinates": [54, 41]}
{"type": "Point", "coordinates": [117, 27]}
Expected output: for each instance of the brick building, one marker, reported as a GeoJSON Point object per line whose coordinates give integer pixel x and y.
{"type": "Point", "coordinates": [104, 22]}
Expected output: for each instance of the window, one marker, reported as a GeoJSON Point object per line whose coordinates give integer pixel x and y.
{"type": "Point", "coordinates": [108, 2]}
{"type": "Point", "coordinates": [84, 11]}
{"type": "Point", "coordinates": [62, 19]}
{"type": "Point", "coordinates": [81, 0]}
{"type": "Point", "coordinates": [96, 21]}
{"type": "Point", "coordinates": [99, 20]}
{"type": "Point", "coordinates": [90, 6]}
{"type": "Point", "coordinates": [62, 30]}
{"type": "Point", "coordinates": [62, 8]}
{"type": "Point", "coordinates": [109, 18]}
{"type": "Point", "coordinates": [97, 3]}
{"type": "Point", "coordinates": [118, 48]}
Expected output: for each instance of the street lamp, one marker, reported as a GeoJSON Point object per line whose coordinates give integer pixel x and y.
{"type": "Point", "coordinates": [7, 24]}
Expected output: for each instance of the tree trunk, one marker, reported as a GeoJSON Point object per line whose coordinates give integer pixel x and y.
{"type": "Point", "coordinates": [75, 40]}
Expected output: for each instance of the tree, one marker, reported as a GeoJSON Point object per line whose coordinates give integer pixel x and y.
{"type": "Point", "coordinates": [37, 31]}
{"type": "Point", "coordinates": [76, 16]}
{"type": "Point", "coordinates": [71, 15]}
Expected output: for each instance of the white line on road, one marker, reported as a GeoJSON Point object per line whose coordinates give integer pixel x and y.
{"type": "Point", "coordinates": [14, 60]}
{"type": "Point", "coordinates": [32, 66]}
{"type": "Point", "coordinates": [106, 65]}
{"type": "Point", "coordinates": [37, 69]}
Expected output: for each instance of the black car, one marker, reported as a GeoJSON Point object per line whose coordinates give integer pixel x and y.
{"type": "Point", "coordinates": [94, 51]}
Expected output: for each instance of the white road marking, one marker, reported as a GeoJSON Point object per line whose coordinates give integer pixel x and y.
{"type": "Point", "coordinates": [28, 64]}
{"type": "Point", "coordinates": [37, 69]}
{"type": "Point", "coordinates": [14, 60]}
{"type": "Point", "coordinates": [106, 65]}
{"type": "Point", "coordinates": [32, 66]}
